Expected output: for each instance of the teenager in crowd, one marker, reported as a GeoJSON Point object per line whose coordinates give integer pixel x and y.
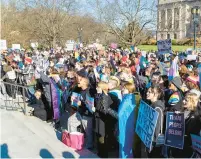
{"type": "Point", "coordinates": [155, 95]}
{"type": "Point", "coordinates": [82, 116]}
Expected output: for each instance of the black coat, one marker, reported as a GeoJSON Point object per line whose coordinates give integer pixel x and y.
{"type": "Point", "coordinates": [192, 126]}
{"type": "Point", "coordinates": [39, 110]}
{"type": "Point", "coordinates": [103, 111]}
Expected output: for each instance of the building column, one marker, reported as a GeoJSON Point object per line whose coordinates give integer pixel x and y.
{"type": "Point", "coordinates": [166, 23]}
{"type": "Point", "coordinates": [158, 35]}
{"type": "Point", "coordinates": [173, 22]}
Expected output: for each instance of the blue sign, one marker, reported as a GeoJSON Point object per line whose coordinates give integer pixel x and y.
{"type": "Point", "coordinates": [146, 124]}
{"type": "Point", "coordinates": [164, 46]}
{"type": "Point", "coordinates": [75, 98]}
{"type": "Point", "coordinates": [199, 72]}
{"type": "Point", "coordinates": [89, 103]}
{"type": "Point", "coordinates": [196, 143]}
{"type": "Point", "coordinates": [175, 129]}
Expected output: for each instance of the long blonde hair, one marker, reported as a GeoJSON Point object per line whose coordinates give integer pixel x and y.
{"type": "Point", "coordinates": [193, 99]}
{"type": "Point", "coordinates": [103, 86]}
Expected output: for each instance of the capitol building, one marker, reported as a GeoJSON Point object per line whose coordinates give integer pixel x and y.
{"type": "Point", "coordinates": [175, 20]}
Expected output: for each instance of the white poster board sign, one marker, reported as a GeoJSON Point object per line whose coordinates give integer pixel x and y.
{"type": "Point", "coordinates": [16, 46]}
{"type": "Point", "coordinates": [144, 53]}
{"type": "Point", "coordinates": [164, 46]}
{"type": "Point", "coordinates": [3, 45]}
{"type": "Point", "coordinates": [191, 57]}
{"type": "Point", "coordinates": [70, 46]}
{"type": "Point", "coordinates": [34, 45]}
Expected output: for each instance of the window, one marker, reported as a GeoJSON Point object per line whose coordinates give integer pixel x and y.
{"type": "Point", "coordinates": [163, 19]}
{"type": "Point", "coordinates": [176, 18]}
{"type": "Point", "coordinates": [175, 36]}
{"type": "Point", "coordinates": [162, 36]}
{"type": "Point", "coordinates": [169, 19]}
{"type": "Point", "coordinates": [168, 36]}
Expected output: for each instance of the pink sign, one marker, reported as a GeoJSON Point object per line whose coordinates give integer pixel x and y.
{"type": "Point", "coordinates": [113, 45]}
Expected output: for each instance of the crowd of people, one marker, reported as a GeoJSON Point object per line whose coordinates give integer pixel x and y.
{"type": "Point", "coordinates": [117, 80]}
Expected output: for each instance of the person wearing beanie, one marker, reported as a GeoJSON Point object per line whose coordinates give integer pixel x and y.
{"type": "Point", "coordinates": [192, 82]}
{"type": "Point", "coordinates": [176, 97]}
{"type": "Point", "coordinates": [82, 115]}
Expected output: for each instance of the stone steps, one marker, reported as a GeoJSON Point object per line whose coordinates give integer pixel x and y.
{"type": "Point", "coordinates": [26, 136]}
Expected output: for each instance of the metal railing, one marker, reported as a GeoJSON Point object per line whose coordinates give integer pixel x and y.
{"type": "Point", "coordinates": [14, 96]}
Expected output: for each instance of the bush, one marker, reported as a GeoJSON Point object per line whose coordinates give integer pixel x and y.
{"type": "Point", "coordinates": [174, 42]}
{"type": "Point", "coordinates": [150, 41]}
{"type": "Point", "coordinates": [184, 42]}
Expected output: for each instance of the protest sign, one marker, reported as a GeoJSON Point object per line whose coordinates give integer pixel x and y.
{"type": "Point", "coordinates": [146, 124]}
{"type": "Point", "coordinates": [70, 45]}
{"type": "Point", "coordinates": [164, 46]}
{"type": "Point", "coordinates": [132, 48]}
{"type": "Point", "coordinates": [196, 143]}
{"type": "Point", "coordinates": [189, 51]}
{"type": "Point", "coordinates": [191, 57]}
{"type": "Point", "coordinates": [89, 103]}
{"type": "Point", "coordinates": [175, 129]}
{"type": "Point", "coordinates": [199, 72]}
{"type": "Point", "coordinates": [16, 46]}
{"type": "Point", "coordinates": [75, 99]}
{"type": "Point", "coordinates": [34, 45]}
{"type": "Point", "coordinates": [113, 45]}
{"type": "Point", "coordinates": [144, 53]}
{"type": "Point", "coordinates": [3, 45]}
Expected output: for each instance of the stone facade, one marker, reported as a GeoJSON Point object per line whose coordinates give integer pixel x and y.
{"type": "Point", "coordinates": [175, 19]}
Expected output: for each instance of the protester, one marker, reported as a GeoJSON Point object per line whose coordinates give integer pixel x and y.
{"type": "Point", "coordinates": [101, 91]}
{"type": "Point", "coordinates": [126, 121]}
{"type": "Point", "coordinates": [155, 95]}
{"type": "Point", "coordinates": [39, 108]}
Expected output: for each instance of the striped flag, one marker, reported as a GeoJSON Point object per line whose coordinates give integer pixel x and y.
{"type": "Point", "coordinates": [174, 69]}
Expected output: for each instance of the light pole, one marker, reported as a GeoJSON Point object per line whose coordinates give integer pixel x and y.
{"type": "Point", "coordinates": [196, 13]}
{"type": "Point", "coordinates": [79, 34]}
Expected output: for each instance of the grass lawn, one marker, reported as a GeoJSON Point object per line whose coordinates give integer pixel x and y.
{"type": "Point", "coordinates": [154, 47]}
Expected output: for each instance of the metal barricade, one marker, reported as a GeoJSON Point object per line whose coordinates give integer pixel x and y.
{"type": "Point", "coordinates": [16, 98]}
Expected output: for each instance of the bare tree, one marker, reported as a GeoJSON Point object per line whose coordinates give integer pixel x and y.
{"type": "Point", "coordinates": [46, 19]}
{"type": "Point", "coordinates": [127, 19]}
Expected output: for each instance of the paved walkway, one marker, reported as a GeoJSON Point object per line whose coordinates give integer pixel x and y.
{"type": "Point", "coordinates": [29, 137]}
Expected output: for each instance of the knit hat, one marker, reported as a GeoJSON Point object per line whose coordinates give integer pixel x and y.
{"type": "Point", "coordinates": [196, 92]}
{"type": "Point", "coordinates": [193, 79]}
{"type": "Point", "coordinates": [82, 73]}
{"type": "Point", "coordinates": [177, 82]}
{"type": "Point", "coordinates": [174, 99]}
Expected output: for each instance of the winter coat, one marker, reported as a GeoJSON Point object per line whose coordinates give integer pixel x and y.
{"type": "Point", "coordinates": [103, 109]}
{"type": "Point", "coordinates": [39, 110]}
{"type": "Point", "coordinates": [192, 126]}
{"type": "Point", "coordinates": [45, 81]}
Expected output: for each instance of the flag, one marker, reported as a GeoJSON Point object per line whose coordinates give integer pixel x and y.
{"type": "Point", "coordinates": [174, 69]}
